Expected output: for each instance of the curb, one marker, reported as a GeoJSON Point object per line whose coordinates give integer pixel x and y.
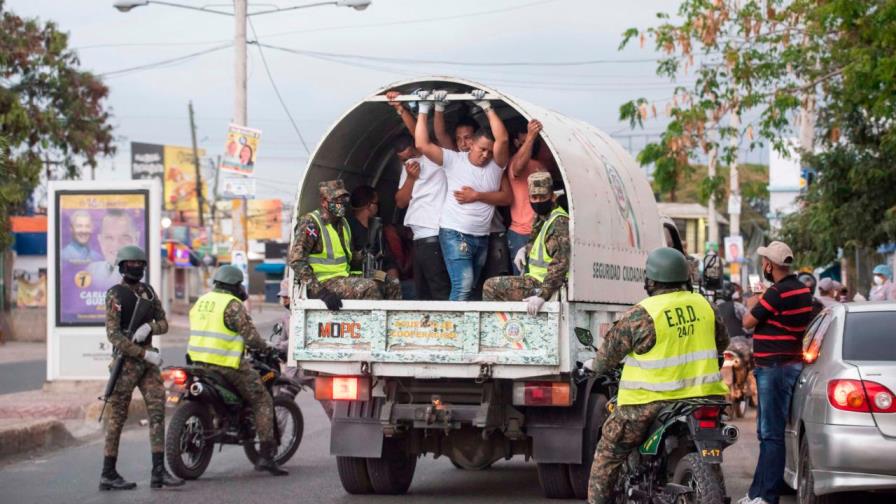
{"type": "Point", "coordinates": [26, 436]}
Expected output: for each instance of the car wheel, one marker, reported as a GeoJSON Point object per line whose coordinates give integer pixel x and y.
{"type": "Point", "coordinates": [806, 482]}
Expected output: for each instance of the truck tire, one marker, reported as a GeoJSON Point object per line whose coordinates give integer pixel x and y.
{"type": "Point", "coordinates": [702, 478]}
{"type": "Point", "coordinates": [353, 475]}
{"type": "Point", "coordinates": [579, 474]}
{"type": "Point", "coordinates": [554, 480]}
{"type": "Point", "coordinates": [391, 474]}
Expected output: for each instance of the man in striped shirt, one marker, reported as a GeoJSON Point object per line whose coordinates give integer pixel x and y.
{"type": "Point", "coordinates": [779, 317]}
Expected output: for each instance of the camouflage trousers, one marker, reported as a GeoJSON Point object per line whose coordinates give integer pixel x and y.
{"type": "Point", "coordinates": [509, 288]}
{"type": "Point", "coordinates": [356, 287]}
{"type": "Point", "coordinates": [247, 382]}
{"type": "Point", "coordinates": [145, 376]}
{"type": "Point", "coordinates": [624, 430]}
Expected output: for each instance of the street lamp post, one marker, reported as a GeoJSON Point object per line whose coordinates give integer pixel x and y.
{"type": "Point", "coordinates": [240, 105]}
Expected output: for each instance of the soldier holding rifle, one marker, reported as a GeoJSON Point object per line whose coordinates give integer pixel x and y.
{"type": "Point", "coordinates": [134, 314]}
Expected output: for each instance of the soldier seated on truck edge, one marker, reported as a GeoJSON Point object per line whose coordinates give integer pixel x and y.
{"type": "Point", "coordinates": [321, 255]}
{"type": "Point", "coordinates": [545, 259]}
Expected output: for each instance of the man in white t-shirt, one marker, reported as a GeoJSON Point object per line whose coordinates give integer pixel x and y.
{"type": "Point", "coordinates": [421, 190]}
{"type": "Point", "coordinates": [476, 184]}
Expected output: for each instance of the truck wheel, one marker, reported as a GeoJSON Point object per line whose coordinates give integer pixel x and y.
{"type": "Point", "coordinates": [579, 474]}
{"type": "Point", "coordinates": [353, 475]}
{"type": "Point", "coordinates": [554, 480]}
{"type": "Point", "coordinates": [391, 474]}
{"type": "Point", "coordinates": [703, 479]}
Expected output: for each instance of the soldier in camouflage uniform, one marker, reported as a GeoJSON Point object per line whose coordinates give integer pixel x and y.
{"type": "Point", "coordinates": [213, 344]}
{"type": "Point", "coordinates": [635, 334]}
{"type": "Point", "coordinates": [140, 369]}
{"type": "Point", "coordinates": [545, 259]}
{"type": "Point", "coordinates": [321, 254]}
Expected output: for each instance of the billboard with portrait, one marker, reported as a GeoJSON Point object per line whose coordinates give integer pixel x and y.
{"type": "Point", "coordinates": [91, 227]}
{"type": "Point", "coordinates": [180, 178]}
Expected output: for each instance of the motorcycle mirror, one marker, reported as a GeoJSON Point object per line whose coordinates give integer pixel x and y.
{"type": "Point", "coordinates": [584, 336]}
{"type": "Point", "coordinates": [276, 332]}
{"type": "Point", "coordinates": [712, 272]}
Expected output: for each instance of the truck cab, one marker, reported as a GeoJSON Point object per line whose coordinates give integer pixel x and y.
{"type": "Point", "coordinates": [475, 381]}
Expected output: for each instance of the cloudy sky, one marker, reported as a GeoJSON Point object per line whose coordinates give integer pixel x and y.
{"type": "Point", "coordinates": [150, 104]}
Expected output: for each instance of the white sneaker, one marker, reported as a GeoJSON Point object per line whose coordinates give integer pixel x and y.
{"type": "Point", "coordinates": [747, 500]}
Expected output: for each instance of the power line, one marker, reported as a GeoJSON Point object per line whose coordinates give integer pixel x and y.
{"type": "Point", "coordinates": [149, 66]}
{"type": "Point", "coordinates": [150, 44]}
{"type": "Point", "coordinates": [411, 21]}
{"type": "Point", "coordinates": [267, 70]}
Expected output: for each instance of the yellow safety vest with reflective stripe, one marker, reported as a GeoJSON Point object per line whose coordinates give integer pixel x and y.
{"type": "Point", "coordinates": [211, 341]}
{"type": "Point", "coordinates": [684, 361]}
{"type": "Point", "coordinates": [333, 259]}
{"type": "Point", "coordinates": [539, 258]}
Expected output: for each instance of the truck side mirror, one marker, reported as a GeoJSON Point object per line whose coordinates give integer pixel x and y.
{"type": "Point", "coordinates": [584, 336]}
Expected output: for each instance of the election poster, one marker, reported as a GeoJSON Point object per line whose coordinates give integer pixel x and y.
{"type": "Point", "coordinates": [180, 178]}
{"type": "Point", "coordinates": [241, 150]}
{"type": "Point", "coordinates": [734, 249]}
{"type": "Point", "coordinates": [91, 227]}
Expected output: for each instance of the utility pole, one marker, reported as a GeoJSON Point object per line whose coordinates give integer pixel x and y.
{"type": "Point", "coordinates": [711, 220]}
{"type": "Point", "coordinates": [199, 199]}
{"type": "Point", "coordinates": [240, 112]}
{"type": "Point", "coordinates": [734, 201]}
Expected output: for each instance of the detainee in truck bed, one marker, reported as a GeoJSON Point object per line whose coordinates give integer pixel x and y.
{"type": "Point", "coordinates": [479, 381]}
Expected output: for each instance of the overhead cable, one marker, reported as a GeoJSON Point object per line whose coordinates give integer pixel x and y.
{"type": "Point", "coordinates": [161, 63]}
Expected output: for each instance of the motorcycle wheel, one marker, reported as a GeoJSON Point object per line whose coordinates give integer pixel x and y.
{"type": "Point", "coordinates": [187, 447]}
{"type": "Point", "coordinates": [740, 408]}
{"type": "Point", "coordinates": [291, 425]}
{"type": "Point", "coordinates": [705, 481]}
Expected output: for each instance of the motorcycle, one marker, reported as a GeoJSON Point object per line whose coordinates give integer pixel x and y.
{"type": "Point", "coordinates": [680, 461]}
{"type": "Point", "coordinates": [737, 372]}
{"type": "Point", "coordinates": [210, 411]}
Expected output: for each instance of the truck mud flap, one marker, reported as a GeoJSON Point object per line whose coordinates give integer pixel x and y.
{"type": "Point", "coordinates": [356, 430]}
{"type": "Point", "coordinates": [557, 432]}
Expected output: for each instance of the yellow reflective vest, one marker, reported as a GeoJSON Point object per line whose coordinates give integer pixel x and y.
{"type": "Point", "coordinates": [539, 258]}
{"type": "Point", "coordinates": [684, 361]}
{"type": "Point", "coordinates": [211, 341]}
{"type": "Point", "coordinates": [334, 258]}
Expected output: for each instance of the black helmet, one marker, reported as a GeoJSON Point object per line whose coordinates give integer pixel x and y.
{"type": "Point", "coordinates": [667, 265]}
{"type": "Point", "coordinates": [228, 274]}
{"type": "Point", "coordinates": [130, 253]}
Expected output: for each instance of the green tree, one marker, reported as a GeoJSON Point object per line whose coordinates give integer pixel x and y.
{"type": "Point", "coordinates": [50, 110]}
{"type": "Point", "coordinates": [761, 62]}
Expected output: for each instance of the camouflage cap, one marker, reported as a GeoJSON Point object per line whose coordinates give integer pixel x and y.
{"type": "Point", "coordinates": [540, 183]}
{"type": "Point", "coordinates": [331, 189]}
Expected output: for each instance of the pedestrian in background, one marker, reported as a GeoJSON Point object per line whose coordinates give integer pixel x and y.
{"type": "Point", "coordinates": [779, 317]}
{"type": "Point", "coordinates": [883, 289]}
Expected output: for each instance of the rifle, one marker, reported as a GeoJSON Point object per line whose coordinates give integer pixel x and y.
{"type": "Point", "coordinates": [140, 309]}
{"type": "Point", "coordinates": [373, 251]}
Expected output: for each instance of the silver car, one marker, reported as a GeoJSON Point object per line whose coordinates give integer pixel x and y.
{"type": "Point", "coordinates": [841, 435]}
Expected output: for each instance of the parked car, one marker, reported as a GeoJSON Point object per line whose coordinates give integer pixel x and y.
{"type": "Point", "coordinates": [841, 435]}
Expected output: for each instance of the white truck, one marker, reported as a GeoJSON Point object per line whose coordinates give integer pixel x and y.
{"type": "Point", "coordinates": [475, 381]}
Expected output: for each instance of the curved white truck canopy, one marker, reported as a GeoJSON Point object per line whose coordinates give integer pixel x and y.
{"type": "Point", "coordinates": [614, 218]}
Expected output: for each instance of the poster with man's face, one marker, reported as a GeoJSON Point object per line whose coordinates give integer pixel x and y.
{"type": "Point", "coordinates": [92, 227]}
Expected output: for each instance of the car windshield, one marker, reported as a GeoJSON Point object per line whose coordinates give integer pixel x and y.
{"type": "Point", "coordinates": [869, 336]}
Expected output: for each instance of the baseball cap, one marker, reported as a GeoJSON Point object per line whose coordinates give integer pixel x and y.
{"type": "Point", "coordinates": [540, 183]}
{"type": "Point", "coordinates": [777, 252]}
{"type": "Point", "coordinates": [332, 189]}
{"type": "Point", "coordinates": [284, 288]}
{"type": "Point", "coordinates": [825, 284]}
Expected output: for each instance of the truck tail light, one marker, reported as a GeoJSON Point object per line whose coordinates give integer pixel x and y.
{"type": "Point", "coordinates": [542, 393]}
{"type": "Point", "coordinates": [707, 416]}
{"type": "Point", "coordinates": [341, 388]}
{"type": "Point", "coordinates": [860, 396]}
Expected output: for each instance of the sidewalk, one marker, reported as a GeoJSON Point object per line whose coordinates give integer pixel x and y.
{"type": "Point", "coordinates": [20, 351]}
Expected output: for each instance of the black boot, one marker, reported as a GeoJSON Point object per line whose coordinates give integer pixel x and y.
{"type": "Point", "coordinates": [111, 480]}
{"type": "Point", "coordinates": [161, 477]}
{"type": "Point", "coordinates": [266, 461]}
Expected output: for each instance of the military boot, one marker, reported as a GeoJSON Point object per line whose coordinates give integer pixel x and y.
{"type": "Point", "coordinates": [160, 476]}
{"type": "Point", "coordinates": [266, 460]}
{"type": "Point", "coordinates": [111, 480]}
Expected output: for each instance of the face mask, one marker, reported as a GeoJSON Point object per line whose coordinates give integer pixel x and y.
{"type": "Point", "coordinates": [337, 208]}
{"type": "Point", "coordinates": [542, 207]}
{"type": "Point", "coordinates": [132, 274]}
{"type": "Point", "coordinates": [767, 274]}
{"type": "Point", "coordinates": [878, 280]}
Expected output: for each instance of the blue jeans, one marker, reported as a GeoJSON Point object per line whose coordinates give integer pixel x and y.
{"type": "Point", "coordinates": [465, 257]}
{"type": "Point", "coordinates": [775, 384]}
{"type": "Point", "coordinates": [515, 242]}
